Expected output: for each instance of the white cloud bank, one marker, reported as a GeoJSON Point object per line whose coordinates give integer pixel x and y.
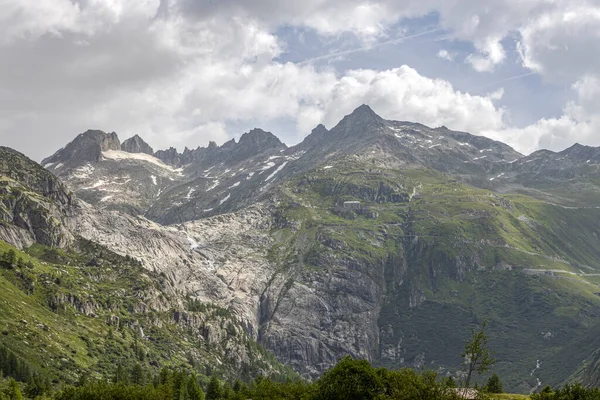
{"type": "Point", "coordinates": [177, 71]}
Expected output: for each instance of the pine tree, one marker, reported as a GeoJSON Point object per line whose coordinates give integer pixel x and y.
{"type": "Point", "coordinates": [137, 375]}
{"type": "Point", "coordinates": [494, 385]}
{"type": "Point", "coordinates": [37, 386]}
{"type": "Point", "coordinates": [164, 377]}
{"type": "Point", "coordinates": [194, 391]}
{"type": "Point", "coordinates": [14, 393]}
{"type": "Point", "coordinates": [238, 386]}
{"type": "Point", "coordinates": [179, 386]}
{"type": "Point", "coordinates": [121, 375]}
{"type": "Point", "coordinates": [214, 390]}
{"type": "Point", "coordinates": [10, 257]}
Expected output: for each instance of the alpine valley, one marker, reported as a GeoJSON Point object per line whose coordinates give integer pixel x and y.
{"type": "Point", "coordinates": [384, 240]}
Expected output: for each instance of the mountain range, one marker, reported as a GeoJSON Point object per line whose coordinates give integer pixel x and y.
{"type": "Point", "coordinates": [385, 240]}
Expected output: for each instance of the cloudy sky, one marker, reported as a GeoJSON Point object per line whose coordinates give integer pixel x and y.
{"type": "Point", "coordinates": [183, 72]}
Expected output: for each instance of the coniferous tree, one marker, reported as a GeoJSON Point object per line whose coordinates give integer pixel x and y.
{"type": "Point", "coordinates": [121, 375]}
{"type": "Point", "coordinates": [164, 378]}
{"type": "Point", "coordinates": [238, 386]}
{"type": "Point", "coordinates": [137, 375]}
{"type": "Point", "coordinates": [10, 257]}
{"type": "Point", "coordinates": [37, 386]}
{"type": "Point", "coordinates": [450, 382]}
{"type": "Point", "coordinates": [14, 393]}
{"type": "Point", "coordinates": [179, 386]}
{"type": "Point", "coordinates": [194, 391]}
{"type": "Point", "coordinates": [214, 390]}
{"type": "Point", "coordinates": [494, 385]}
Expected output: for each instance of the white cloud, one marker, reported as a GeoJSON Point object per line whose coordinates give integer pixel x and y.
{"type": "Point", "coordinates": [563, 45]}
{"type": "Point", "coordinates": [491, 54]}
{"type": "Point", "coordinates": [580, 122]}
{"type": "Point", "coordinates": [402, 93]}
{"type": "Point", "coordinates": [446, 55]}
{"type": "Point", "coordinates": [177, 71]}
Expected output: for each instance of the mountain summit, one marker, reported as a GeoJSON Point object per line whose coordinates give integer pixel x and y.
{"type": "Point", "coordinates": [87, 146]}
{"type": "Point", "coordinates": [136, 144]}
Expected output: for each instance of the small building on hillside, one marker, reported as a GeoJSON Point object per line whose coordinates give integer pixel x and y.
{"type": "Point", "coordinates": [351, 205]}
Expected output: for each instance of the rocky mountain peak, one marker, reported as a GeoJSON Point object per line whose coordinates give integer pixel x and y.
{"type": "Point", "coordinates": [360, 120]}
{"type": "Point", "coordinates": [169, 156]}
{"type": "Point", "coordinates": [318, 134]}
{"type": "Point", "coordinates": [581, 152]}
{"type": "Point", "coordinates": [363, 114]}
{"type": "Point", "coordinates": [260, 140]}
{"type": "Point", "coordinates": [86, 147]}
{"type": "Point", "coordinates": [136, 144]}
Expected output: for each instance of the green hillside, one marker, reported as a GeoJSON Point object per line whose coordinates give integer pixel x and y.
{"type": "Point", "coordinates": [86, 311]}
{"type": "Point", "coordinates": [448, 258]}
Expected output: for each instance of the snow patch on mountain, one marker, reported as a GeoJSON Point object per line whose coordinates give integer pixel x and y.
{"type": "Point", "coordinates": [214, 185]}
{"type": "Point", "coordinates": [123, 155]}
{"type": "Point", "coordinates": [83, 172]}
{"type": "Point", "coordinates": [96, 184]}
{"type": "Point", "coordinates": [267, 166]}
{"type": "Point", "coordinates": [193, 243]}
{"type": "Point", "coordinates": [225, 199]}
{"type": "Point", "coordinates": [276, 171]}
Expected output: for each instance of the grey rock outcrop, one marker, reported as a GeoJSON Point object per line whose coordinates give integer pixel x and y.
{"type": "Point", "coordinates": [86, 147]}
{"type": "Point", "coordinates": [169, 156]}
{"type": "Point", "coordinates": [34, 205]}
{"type": "Point", "coordinates": [136, 144]}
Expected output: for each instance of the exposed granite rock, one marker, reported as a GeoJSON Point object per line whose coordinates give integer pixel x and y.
{"type": "Point", "coordinates": [169, 156]}
{"type": "Point", "coordinates": [136, 144]}
{"type": "Point", "coordinates": [87, 146]}
{"type": "Point", "coordinates": [34, 205]}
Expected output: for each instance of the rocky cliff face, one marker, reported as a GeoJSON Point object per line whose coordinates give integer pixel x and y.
{"type": "Point", "coordinates": [34, 205]}
{"type": "Point", "coordinates": [159, 290]}
{"type": "Point", "coordinates": [87, 147]}
{"type": "Point", "coordinates": [136, 144]}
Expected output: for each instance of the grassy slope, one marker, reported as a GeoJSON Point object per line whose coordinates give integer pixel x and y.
{"type": "Point", "coordinates": [462, 255]}
{"type": "Point", "coordinates": [49, 328]}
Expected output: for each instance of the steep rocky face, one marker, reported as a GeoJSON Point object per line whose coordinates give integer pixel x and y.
{"type": "Point", "coordinates": [169, 156]}
{"type": "Point", "coordinates": [568, 178]}
{"type": "Point", "coordinates": [95, 167]}
{"type": "Point", "coordinates": [218, 179]}
{"type": "Point", "coordinates": [87, 147]}
{"type": "Point", "coordinates": [34, 205]}
{"type": "Point", "coordinates": [255, 142]}
{"type": "Point", "coordinates": [136, 144]}
{"type": "Point", "coordinates": [161, 287]}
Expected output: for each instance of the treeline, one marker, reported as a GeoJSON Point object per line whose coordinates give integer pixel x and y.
{"type": "Point", "coordinates": [16, 369]}
{"type": "Point", "coordinates": [349, 379]}
{"type": "Point", "coordinates": [569, 392]}
{"type": "Point", "coordinates": [9, 259]}
{"type": "Point", "coordinates": [12, 366]}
